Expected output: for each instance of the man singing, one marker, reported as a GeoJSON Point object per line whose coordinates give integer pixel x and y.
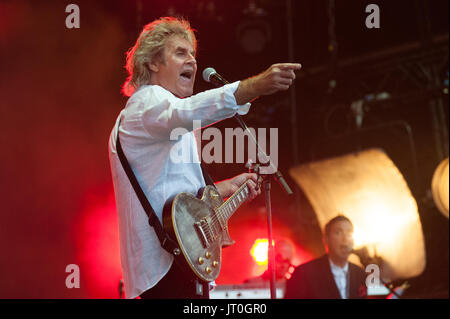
{"type": "Point", "coordinates": [331, 276]}
{"type": "Point", "coordinates": [162, 69]}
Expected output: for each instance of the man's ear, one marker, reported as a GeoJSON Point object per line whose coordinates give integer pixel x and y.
{"type": "Point", "coordinates": [153, 65]}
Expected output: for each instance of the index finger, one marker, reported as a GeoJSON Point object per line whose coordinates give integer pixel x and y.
{"type": "Point", "coordinates": [289, 66]}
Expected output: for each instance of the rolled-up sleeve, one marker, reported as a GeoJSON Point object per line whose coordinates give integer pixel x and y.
{"type": "Point", "coordinates": [164, 112]}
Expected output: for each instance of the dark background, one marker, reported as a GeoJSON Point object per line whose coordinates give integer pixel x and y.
{"type": "Point", "coordinates": [60, 92]}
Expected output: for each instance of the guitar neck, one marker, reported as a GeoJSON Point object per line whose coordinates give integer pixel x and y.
{"type": "Point", "coordinates": [234, 201]}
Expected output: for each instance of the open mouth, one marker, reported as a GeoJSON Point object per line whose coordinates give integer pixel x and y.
{"type": "Point", "coordinates": [187, 75]}
{"type": "Point", "coordinates": [346, 249]}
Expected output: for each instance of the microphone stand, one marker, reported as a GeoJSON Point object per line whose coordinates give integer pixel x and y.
{"type": "Point", "coordinates": [365, 259]}
{"type": "Point", "coordinates": [267, 186]}
{"type": "Point", "coordinates": [217, 80]}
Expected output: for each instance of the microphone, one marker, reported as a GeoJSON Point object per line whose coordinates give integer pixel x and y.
{"type": "Point", "coordinates": [365, 258]}
{"type": "Point", "coordinates": [210, 75]}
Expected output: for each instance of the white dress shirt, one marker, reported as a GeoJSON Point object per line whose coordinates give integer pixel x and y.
{"type": "Point", "coordinates": [341, 278]}
{"type": "Point", "coordinates": [146, 122]}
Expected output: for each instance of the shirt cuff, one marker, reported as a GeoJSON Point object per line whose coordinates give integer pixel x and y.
{"type": "Point", "coordinates": [230, 99]}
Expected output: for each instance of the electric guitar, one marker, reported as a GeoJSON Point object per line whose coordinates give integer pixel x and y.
{"type": "Point", "coordinates": [200, 226]}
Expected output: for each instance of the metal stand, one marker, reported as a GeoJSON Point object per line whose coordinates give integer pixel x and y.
{"type": "Point", "coordinates": [271, 251]}
{"type": "Point", "coordinates": [276, 174]}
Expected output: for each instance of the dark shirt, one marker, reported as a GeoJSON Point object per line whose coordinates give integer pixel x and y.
{"type": "Point", "coordinates": [314, 280]}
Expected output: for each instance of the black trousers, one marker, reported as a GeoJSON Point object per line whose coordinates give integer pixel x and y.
{"type": "Point", "coordinates": [176, 284]}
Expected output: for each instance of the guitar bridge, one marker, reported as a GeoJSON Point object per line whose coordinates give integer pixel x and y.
{"type": "Point", "coordinates": [200, 228]}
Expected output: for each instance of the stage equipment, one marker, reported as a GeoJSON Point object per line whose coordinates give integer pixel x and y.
{"type": "Point", "coordinates": [439, 187]}
{"type": "Point", "coordinates": [259, 251]}
{"type": "Point", "coordinates": [265, 172]}
{"type": "Point", "coordinates": [368, 188]}
{"type": "Point", "coordinates": [247, 291]}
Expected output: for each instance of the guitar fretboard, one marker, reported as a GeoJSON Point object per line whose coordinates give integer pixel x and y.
{"type": "Point", "coordinates": [224, 211]}
{"type": "Point", "coordinates": [234, 201]}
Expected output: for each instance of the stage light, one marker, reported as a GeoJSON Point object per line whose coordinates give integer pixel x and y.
{"type": "Point", "coordinates": [254, 35]}
{"type": "Point", "coordinates": [368, 188]}
{"type": "Point", "coordinates": [259, 251]}
{"type": "Point", "coordinates": [97, 240]}
{"type": "Point", "coordinates": [439, 187]}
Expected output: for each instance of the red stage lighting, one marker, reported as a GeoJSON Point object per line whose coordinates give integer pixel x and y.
{"type": "Point", "coordinates": [259, 251]}
{"type": "Point", "coordinates": [98, 248]}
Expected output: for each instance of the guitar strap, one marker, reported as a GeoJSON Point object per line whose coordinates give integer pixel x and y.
{"type": "Point", "coordinates": [207, 178]}
{"type": "Point", "coordinates": [166, 242]}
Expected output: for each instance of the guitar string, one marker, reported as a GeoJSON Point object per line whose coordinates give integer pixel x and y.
{"type": "Point", "coordinates": [219, 211]}
{"type": "Point", "coordinates": [242, 191]}
{"type": "Point", "coordinates": [211, 230]}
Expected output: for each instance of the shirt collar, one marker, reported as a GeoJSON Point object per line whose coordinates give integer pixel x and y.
{"type": "Point", "coordinates": [335, 267]}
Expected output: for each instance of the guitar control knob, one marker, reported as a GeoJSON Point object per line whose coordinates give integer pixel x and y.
{"type": "Point", "coordinates": [201, 260]}
{"type": "Point", "coordinates": [215, 263]}
{"type": "Point", "coordinates": [208, 254]}
{"type": "Point", "coordinates": [208, 270]}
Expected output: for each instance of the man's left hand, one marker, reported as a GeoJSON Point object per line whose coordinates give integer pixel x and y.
{"type": "Point", "coordinates": [228, 187]}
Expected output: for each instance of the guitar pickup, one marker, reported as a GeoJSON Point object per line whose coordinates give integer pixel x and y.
{"type": "Point", "coordinates": [199, 227]}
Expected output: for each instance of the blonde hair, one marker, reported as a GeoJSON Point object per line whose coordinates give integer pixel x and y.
{"type": "Point", "coordinates": [149, 45]}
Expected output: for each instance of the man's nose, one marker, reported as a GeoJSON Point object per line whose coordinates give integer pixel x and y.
{"type": "Point", "coordinates": [192, 60]}
{"type": "Point", "coordinates": [348, 240]}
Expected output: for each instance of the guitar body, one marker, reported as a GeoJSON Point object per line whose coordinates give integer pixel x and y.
{"type": "Point", "coordinates": [194, 224]}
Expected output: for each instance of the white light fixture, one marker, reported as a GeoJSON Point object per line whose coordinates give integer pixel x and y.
{"type": "Point", "coordinates": [439, 187]}
{"type": "Point", "coordinates": [368, 188]}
